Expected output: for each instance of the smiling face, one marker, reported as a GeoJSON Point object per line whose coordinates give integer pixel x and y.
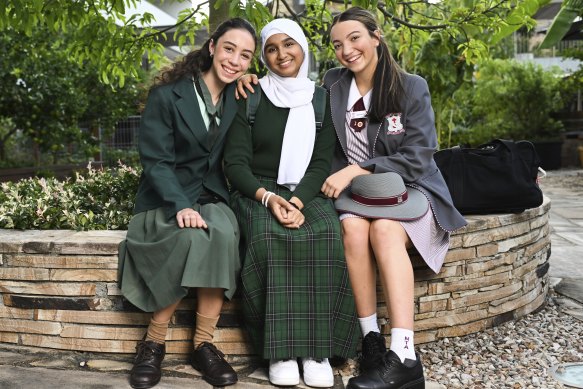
{"type": "Point", "coordinates": [283, 55]}
{"type": "Point", "coordinates": [355, 46]}
{"type": "Point", "coordinates": [232, 54]}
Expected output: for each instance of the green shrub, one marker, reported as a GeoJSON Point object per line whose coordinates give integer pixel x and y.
{"type": "Point", "coordinates": [509, 100]}
{"type": "Point", "coordinates": [97, 200]}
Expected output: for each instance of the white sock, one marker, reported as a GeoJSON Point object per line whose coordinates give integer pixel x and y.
{"type": "Point", "coordinates": [402, 343]}
{"type": "Point", "coordinates": [368, 324]}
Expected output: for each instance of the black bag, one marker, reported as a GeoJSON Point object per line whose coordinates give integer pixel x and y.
{"type": "Point", "coordinates": [496, 177]}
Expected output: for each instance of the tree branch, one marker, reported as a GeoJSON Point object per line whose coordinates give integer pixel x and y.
{"type": "Point", "coordinates": [296, 18]}
{"type": "Point", "coordinates": [410, 25]}
{"type": "Point", "coordinates": [162, 31]}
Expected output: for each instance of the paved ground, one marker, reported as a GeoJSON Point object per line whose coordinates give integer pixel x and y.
{"type": "Point", "coordinates": [26, 367]}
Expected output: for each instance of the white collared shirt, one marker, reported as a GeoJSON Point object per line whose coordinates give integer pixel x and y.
{"type": "Point", "coordinates": [356, 142]}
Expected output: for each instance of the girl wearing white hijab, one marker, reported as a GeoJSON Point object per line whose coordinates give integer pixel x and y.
{"type": "Point", "coordinates": [297, 299]}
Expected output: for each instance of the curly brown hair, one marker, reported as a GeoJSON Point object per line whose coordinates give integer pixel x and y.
{"type": "Point", "coordinates": [199, 61]}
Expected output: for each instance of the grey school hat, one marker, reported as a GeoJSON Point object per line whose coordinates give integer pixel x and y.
{"type": "Point", "coordinates": [382, 196]}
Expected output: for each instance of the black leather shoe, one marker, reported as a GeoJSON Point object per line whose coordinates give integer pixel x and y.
{"type": "Point", "coordinates": [215, 370]}
{"type": "Point", "coordinates": [390, 373]}
{"type": "Point", "coordinates": [146, 371]}
{"type": "Point", "coordinates": [373, 350]}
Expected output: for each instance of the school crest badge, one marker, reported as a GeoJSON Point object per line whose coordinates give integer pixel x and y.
{"type": "Point", "coordinates": [394, 125]}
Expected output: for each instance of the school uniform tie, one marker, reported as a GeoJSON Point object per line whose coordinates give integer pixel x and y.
{"type": "Point", "coordinates": [358, 124]}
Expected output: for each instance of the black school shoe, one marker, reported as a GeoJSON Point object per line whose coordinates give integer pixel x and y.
{"type": "Point", "coordinates": [211, 362]}
{"type": "Point", "coordinates": [146, 371]}
{"type": "Point", "coordinates": [391, 373]}
{"type": "Point", "coordinates": [373, 350]}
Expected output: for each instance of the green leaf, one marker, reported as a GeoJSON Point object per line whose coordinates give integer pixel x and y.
{"type": "Point", "coordinates": [518, 18]}
{"type": "Point", "coordinates": [562, 22]}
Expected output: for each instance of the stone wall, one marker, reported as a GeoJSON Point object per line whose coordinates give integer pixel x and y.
{"type": "Point", "coordinates": [58, 288]}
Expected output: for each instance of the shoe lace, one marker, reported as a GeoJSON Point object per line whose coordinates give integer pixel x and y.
{"type": "Point", "coordinates": [216, 354]}
{"type": "Point", "coordinates": [386, 365]}
{"type": "Point", "coordinates": [145, 351]}
{"type": "Point", "coordinates": [373, 346]}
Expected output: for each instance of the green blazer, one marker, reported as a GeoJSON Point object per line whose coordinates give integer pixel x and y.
{"type": "Point", "coordinates": [176, 158]}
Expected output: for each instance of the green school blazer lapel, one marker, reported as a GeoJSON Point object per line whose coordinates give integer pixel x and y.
{"type": "Point", "coordinates": [187, 105]}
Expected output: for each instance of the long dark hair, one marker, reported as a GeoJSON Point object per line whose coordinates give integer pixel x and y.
{"type": "Point", "coordinates": [199, 61]}
{"type": "Point", "coordinates": [387, 88]}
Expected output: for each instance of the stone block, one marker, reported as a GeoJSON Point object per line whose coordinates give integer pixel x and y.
{"type": "Point", "coordinates": [425, 337]}
{"type": "Point", "coordinates": [454, 255]}
{"type": "Point", "coordinates": [475, 283]}
{"type": "Point", "coordinates": [446, 271]}
{"type": "Point", "coordinates": [48, 288]}
{"type": "Point", "coordinates": [23, 274]}
{"type": "Point", "coordinates": [484, 264]}
{"type": "Point", "coordinates": [113, 289]}
{"type": "Point", "coordinates": [16, 313]}
{"type": "Point", "coordinates": [516, 303]}
{"type": "Point", "coordinates": [83, 275]}
{"type": "Point", "coordinates": [500, 269]}
{"type": "Point", "coordinates": [482, 297]}
{"type": "Point", "coordinates": [528, 267]}
{"type": "Point", "coordinates": [62, 261]}
{"type": "Point", "coordinates": [430, 306]}
{"type": "Point", "coordinates": [521, 240]}
{"type": "Point", "coordinates": [450, 320]}
{"type": "Point", "coordinates": [29, 326]}
{"type": "Point", "coordinates": [102, 332]}
{"type": "Point", "coordinates": [487, 250]}
{"type": "Point", "coordinates": [94, 317]}
{"type": "Point", "coordinates": [76, 304]}
{"type": "Point", "coordinates": [495, 234]}
{"type": "Point", "coordinates": [8, 337]}
{"type": "Point", "coordinates": [91, 345]}
{"type": "Point", "coordinates": [443, 296]}
{"type": "Point", "coordinates": [464, 329]}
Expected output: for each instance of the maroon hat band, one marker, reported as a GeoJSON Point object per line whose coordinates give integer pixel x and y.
{"type": "Point", "coordinates": [374, 201]}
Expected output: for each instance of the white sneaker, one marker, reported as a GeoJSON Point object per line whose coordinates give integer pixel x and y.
{"type": "Point", "coordinates": [318, 373]}
{"type": "Point", "coordinates": [284, 372]}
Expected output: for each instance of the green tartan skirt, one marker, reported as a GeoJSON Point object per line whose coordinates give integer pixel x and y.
{"type": "Point", "coordinates": [297, 298]}
{"type": "Point", "coordinates": [159, 261]}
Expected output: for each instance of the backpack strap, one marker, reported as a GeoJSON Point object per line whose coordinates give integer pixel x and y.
{"type": "Point", "coordinates": [252, 103]}
{"type": "Point", "coordinates": [318, 102]}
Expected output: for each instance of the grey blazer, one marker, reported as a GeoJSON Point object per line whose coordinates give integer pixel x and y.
{"type": "Point", "coordinates": [405, 147]}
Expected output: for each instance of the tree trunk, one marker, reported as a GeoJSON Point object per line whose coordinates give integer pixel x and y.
{"type": "Point", "coordinates": [217, 16]}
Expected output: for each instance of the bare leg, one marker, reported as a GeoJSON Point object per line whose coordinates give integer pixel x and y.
{"type": "Point", "coordinates": [389, 243]}
{"type": "Point", "coordinates": [360, 262]}
{"type": "Point", "coordinates": [165, 314]}
{"type": "Point", "coordinates": [210, 301]}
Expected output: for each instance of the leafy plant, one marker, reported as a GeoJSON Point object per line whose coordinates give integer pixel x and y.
{"type": "Point", "coordinates": [97, 200]}
{"type": "Point", "coordinates": [509, 100]}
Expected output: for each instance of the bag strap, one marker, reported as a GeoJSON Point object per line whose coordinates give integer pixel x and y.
{"type": "Point", "coordinates": [318, 102]}
{"type": "Point", "coordinates": [252, 103]}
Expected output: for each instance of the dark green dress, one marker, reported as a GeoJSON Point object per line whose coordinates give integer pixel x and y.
{"type": "Point", "coordinates": [159, 261]}
{"type": "Point", "coordinates": [297, 299]}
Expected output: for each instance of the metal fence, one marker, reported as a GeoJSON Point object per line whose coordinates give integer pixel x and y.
{"type": "Point", "coordinates": [122, 144]}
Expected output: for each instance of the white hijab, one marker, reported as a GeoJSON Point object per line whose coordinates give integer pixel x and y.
{"type": "Point", "coordinates": [295, 94]}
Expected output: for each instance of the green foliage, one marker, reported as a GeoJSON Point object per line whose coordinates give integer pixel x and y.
{"type": "Point", "coordinates": [97, 200]}
{"type": "Point", "coordinates": [570, 10]}
{"type": "Point", "coordinates": [509, 100]}
{"type": "Point", "coordinates": [46, 96]}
